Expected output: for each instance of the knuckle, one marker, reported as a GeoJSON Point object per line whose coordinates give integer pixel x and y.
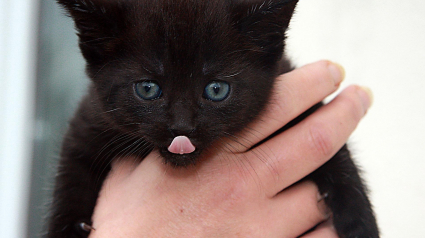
{"type": "Point", "coordinates": [321, 140]}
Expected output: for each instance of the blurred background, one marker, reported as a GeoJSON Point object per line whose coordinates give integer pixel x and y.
{"type": "Point", "coordinates": [381, 43]}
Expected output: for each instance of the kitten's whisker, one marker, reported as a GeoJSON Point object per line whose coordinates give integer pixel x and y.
{"type": "Point", "coordinates": [256, 178]}
{"type": "Point", "coordinates": [263, 155]}
{"type": "Point", "coordinates": [238, 51]}
{"type": "Point", "coordinates": [100, 159]}
{"type": "Point", "coordinates": [113, 140]}
{"type": "Point", "coordinates": [233, 75]}
{"type": "Point", "coordinates": [226, 145]}
{"type": "Point", "coordinates": [109, 161]}
{"type": "Point", "coordinates": [141, 149]}
{"type": "Point", "coordinates": [108, 157]}
{"type": "Point", "coordinates": [97, 40]}
{"type": "Point", "coordinates": [268, 160]}
{"type": "Point", "coordinates": [95, 75]}
{"type": "Point", "coordinates": [129, 124]}
{"type": "Point", "coordinates": [125, 153]}
{"type": "Point", "coordinates": [226, 156]}
{"type": "Point", "coordinates": [257, 133]}
{"type": "Point", "coordinates": [106, 145]}
{"type": "Point", "coordinates": [238, 140]}
{"type": "Point", "coordinates": [164, 173]}
{"type": "Point", "coordinates": [113, 110]}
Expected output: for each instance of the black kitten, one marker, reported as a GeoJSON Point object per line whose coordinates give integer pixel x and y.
{"type": "Point", "coordinates": [177, 75]}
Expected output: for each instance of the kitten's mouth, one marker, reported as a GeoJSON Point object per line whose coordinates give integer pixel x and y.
{"type": "Point", "coordinates": [181, 152]}
{"type": "Point", "coordinates": [181, 145]}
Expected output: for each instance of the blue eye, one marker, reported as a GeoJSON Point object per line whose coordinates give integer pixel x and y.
{"type": "Point", "coordinates": [148, 90]}
{"type": "Point", "coordinates": [217, 91]}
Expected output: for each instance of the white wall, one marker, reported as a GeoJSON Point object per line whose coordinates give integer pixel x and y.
{"type": "Point", "coordinates": [17, 80]}
{"type": "Point", "coordinates": [381, 43]}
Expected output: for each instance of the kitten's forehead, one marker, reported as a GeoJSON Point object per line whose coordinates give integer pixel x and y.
{"type": "Point", "coordinates": [182, 35]}
{"type": "Point", "coordinates": [179, 19]}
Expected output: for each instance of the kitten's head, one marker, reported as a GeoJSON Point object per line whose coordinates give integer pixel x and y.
{"type": "Point", "coordinates": [193, 68]}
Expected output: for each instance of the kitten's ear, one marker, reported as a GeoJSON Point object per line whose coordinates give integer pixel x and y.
{"type": "Point", "coordinates": [98, 24]}
{"type": "Point", "coordinates": [265, 22]}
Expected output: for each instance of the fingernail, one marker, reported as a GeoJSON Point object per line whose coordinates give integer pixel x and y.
{"type": "Point", "coordinates": [337, 72]}
{"type": "Point", "coordinates": [366, 97]}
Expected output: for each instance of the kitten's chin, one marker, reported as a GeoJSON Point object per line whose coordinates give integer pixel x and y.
{"type": "Point", "coordinates": [180, 160]}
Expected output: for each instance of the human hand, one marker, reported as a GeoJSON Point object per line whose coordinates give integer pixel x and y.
{"type": "Point", "coordinates": [240, 192]}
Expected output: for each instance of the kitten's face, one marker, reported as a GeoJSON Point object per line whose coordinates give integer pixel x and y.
{"type": "Point", "coordinates": [202, 70]}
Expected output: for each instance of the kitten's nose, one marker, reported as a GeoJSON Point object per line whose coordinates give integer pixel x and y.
{"type": "Point", "coordinates": [182, 119]}
{"type": "Point", "coordinates": [181, 130]}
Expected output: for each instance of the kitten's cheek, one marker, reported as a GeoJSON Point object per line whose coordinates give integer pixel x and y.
{"type": "Point", "coordinates": [181, 145]}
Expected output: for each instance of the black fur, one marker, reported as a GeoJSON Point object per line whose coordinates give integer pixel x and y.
{"type": "Point", "coordinates": [182, 45]}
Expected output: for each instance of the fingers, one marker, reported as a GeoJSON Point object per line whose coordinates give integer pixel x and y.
{"type": "Point", "coordinates": [297, 209]}
{"type": "Point", "coordinates": [294, 93]}
{"type": "Point", "coordinates": [303, 148]}
{"type": "Point", "coordinates": [325, 230]}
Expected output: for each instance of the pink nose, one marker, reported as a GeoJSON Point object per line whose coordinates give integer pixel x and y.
{"type": "Point", "coordinates": [181, 145]}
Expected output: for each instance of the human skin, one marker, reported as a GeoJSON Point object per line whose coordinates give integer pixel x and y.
{"type": "Point", "coordinates": [235, 191]}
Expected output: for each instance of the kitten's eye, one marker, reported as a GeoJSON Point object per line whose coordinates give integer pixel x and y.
{"type": "Point", "coordinates": [217, 91]}
{"type": "Point", "coordinates": [148, 90]}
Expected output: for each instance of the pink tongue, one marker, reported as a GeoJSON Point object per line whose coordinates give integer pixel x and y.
{"type": "Point", "coordinates": [181, 145]}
